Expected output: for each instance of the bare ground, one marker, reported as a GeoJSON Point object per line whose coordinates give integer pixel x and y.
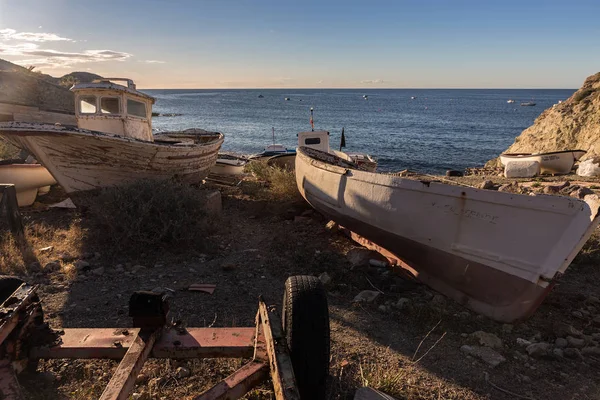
{"type": "Point", "coordinates": [258, 245]}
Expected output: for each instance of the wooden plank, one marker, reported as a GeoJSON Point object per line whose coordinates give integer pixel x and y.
{"type": "Point", "coordinates": [282, 371]}
{"type": "Point", "coordinates": [122, 382]}
{"type": "Point", "coordinates": [237, 384]}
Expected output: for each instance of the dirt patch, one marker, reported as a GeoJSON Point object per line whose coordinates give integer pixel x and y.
{"type": "Point", "coordinates": [407, 342]}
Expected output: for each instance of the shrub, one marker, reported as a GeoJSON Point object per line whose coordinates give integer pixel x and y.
{"type": "Point", "coordinates": [281, 183]}
{"type": "Point", "coordinates": [582, 95]}
{"type": "Point", "coordinates": [7, 150]}
{"type": "Point", "coordinates": [148, 214]}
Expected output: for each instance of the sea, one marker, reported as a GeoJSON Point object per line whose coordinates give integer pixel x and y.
{"type": "Point", "coordinates": [425, 130]}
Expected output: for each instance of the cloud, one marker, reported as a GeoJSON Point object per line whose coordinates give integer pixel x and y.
{"type": "Point", "coordinates": [11, 34]}
{"type": "Point", "coordinates": [319, 82]}
{"type": "Point", "coordinates": [153, 61]}
{"type": "Point", "coordinates": [58, 59]}
{"type": "Point", "coordinates": [372, 81]}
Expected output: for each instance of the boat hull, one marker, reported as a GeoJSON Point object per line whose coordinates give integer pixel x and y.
{"type": "Point", "coordinates": [83, 160]}
{"type": "Point", "coordinates": [554, 163]}
{"type": "Point", "coordinates": [28, 179]}
{"type": "Point", "coordinates": [496, 253]}
{"type": "Point", "coordinates": [227, 168]}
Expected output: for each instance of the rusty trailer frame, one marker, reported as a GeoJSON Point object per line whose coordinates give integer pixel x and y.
{"type": "Point", "coordinates": [25, 338]}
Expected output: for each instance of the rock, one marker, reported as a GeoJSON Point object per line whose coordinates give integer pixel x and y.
{"type": "Point", "coordinates": [383, 308]}
{"type": "Point", "coordinates": [438, 301]}
{"type": "Point", "coordinates": [52, 266]}
{"type": "Point", "coordinates": [367, 296]}
{"type": "Point", "coordinates": [402, 303]}
{"type": "Point", "coordinates": [552, 189]}
{"type": "Point", "coordinates": [575, 342]}
{"type": "Point", "coordinates": [589, 167]}
{"type": "Point", "coordinates": [141, 378]}
{"type": "Point", "coordinates": [301, 220]}
{"type": "Point", "coordinates": [537, 350]}
{"type": "Point", "coordinates": [119, 268]}
{"type": "Point", "coordinates": [491, 357]}
{"type": "Point", "coordinates": [137, 268]}
{"type": "Point", "coordinates": [510, 188]}
{"type": "Point", "coordinates": [592, 300]}
{"type": "Point", "coordinates": [155, 383]}
{"type": "Point", "coordinates": [521, 169]}
{"type": "Point", "coordinates": [561, 343]}
{"type": "Point", "coordinates": [523, 342]}
{"type": "Point", "coordinates": [570, 352]}
{"type": "Point", "coordinates": [66, 257]}
{"type": "Point", "coordinates": [325, 278]}
{"type": "Point", "coordinates": [98, 271]}
{"type": "Point", "coordinates": [464, 315]}
{"type": "Point", "coordinates": [359, 256]}
{"type": "Point", "coordinates": [577, 314]}
{"type": "Point", "coordinates": [487, 339]}
{"type": "Point", "coordinates": [34, 267]}
{"type": "Point", "coordinates": [596, 336]}
{"type": "Point", "coordinates": [596, 320]}
{"type": "Point", "coordinates": [581, 192]}
{"type": "Point", "coordinates": [558, 353]}
{"type": "Point", "coordinates": [487, 185]}
{"type": "Point", "coordinates": [228, 266]}
{"type": "Point", "coordinates": [562, 329]}
{"type": "Point", "coordinates": [81, 265]}
{"type": "Point", "coordinates": [591, 351]}
{"type": "Point", "coordinates": [525, 378]}
{"type": "Point", "coordinates": [507, 328]}
{"type": "Point", "coordinates": [182, 372]}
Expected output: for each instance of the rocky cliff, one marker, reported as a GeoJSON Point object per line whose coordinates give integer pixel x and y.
{"type": "Point", "coordinates": [573, 124]}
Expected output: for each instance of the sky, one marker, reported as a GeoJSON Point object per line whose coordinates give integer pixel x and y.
{"type": "Point", "coordinates": [309, 44]}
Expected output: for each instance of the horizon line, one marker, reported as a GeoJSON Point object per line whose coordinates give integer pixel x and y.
{"type": "Point", "coordinates": [360, 88]}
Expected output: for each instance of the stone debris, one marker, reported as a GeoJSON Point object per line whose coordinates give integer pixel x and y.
{"type": "Point", "coordinates": [562, 329]}
{"type": "Point", "coordinates": [575, 342]}
{"type": "Point", "coordinates": [402, 303]}
{"type": "Point", "coordinates": [558, 353]}
{"type": "Point", "coordinates": [572, 353]}
{"type": "Point", "coordinates": [591, 351]}
{"type": "Point", "coordinates": [332, 226]}
{"type": "Point", "coordinates": [366, 296]}
{"type": "Point", "coordinates": [182, 372]}
{"type": "Point", "coordinates": [537, 350]}
{"type": "Point", "coordinates": [523, 342]}
{"type": "Point", "coordinates": [589, 167]}
{"type": "Point", "coordinates": [438, 301]}
{"type": "Point", "coordinates": [52, 266]}
{"type": "Point", "coordinates": [325, 278]}
{"type": "Point", "coordinates": [581, 192]}
{"type": "Point", "coordinates": [561, 343]}
{"type": "Point", "coordinates": [487, 339]}
{"type": "Point", "coordinates": [487, 185]}
{"type": "Point", "coordinates": [486, 354]}
{"type": "Point", "coordinates": [98, 271]}
{"type": "Point", "coordinates": [81, 265]}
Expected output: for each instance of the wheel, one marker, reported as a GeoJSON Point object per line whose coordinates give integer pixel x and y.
{"type": "Point", "coordinates": [305, 322]}
{"type": "Point", "coordinates": [8, 285]}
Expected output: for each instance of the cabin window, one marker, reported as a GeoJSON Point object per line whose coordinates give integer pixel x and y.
{"type": "Point", "coordinates": [315, 140]}
{"type": "Point", "coordinates": [136, 108]}
{"type": "Point", "coordinates": [110, 105]}
{"type": "Point", "coordinates": [87, 104]}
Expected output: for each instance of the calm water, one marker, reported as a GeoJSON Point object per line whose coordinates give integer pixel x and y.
{"type": "Point", "coordinates": [439, 130]}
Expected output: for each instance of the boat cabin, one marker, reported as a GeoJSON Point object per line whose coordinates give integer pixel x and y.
{"type": "Point", "coordinates": [108, 107]}
{"type": "Point", "coordinates": [315, 139]}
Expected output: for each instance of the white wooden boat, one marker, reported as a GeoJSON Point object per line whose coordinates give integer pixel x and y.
{"type": "Point", "coordinates": [27, 178]}
{"type": "Point", "coordinates": [113, 142]}
{"type": "Point", "coordinates": [556, 162]}
{"type": "Point", "coordinates": [528, 104]}
{"type": "Point", "coordinates": [497, 253]}
{"type": "Point", "coordinates": [229, 164]}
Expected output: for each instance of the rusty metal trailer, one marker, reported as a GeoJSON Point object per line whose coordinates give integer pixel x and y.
{"type": "Point", "coordinates": [294, 355]}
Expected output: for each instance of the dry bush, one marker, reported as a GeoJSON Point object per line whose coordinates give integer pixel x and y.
{"type": "Point", "coordinates": [13, 259]}
{"type": "Point", "coordinates": [7, 150]}
{"type": "Point", "coordinates": [281, 183]}
{"type": "Point", "coordinates": [148, 214]}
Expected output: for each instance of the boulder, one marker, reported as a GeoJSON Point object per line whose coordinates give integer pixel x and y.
{"type": "Point", "coordinates": [562, 329]}
{"type": "Point", "coordinates": [487, 185]}
{"type": "Point", "coordinates": [575, 342]}
{"type": "Point", "coordinates": [589, 167]}
{"type": "Point", "coordinates": [537, 350]}
{"type": "Point", "coordinates": [521, 169]}
{"type": "Point", "coordinates": [325, 278]}
{"type": "Point", "coordinates": [359, 256]}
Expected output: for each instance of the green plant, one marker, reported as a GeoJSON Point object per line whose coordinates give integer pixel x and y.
{"type": "Point", "coordinates": [281, 183]}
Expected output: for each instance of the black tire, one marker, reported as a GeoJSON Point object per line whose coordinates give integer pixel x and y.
{"type": "Point", "coordinates": [305, 322]}
{"type": "Point", "coordinates": [8, 285]}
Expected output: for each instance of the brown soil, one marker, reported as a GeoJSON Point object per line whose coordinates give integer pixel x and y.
{"type": "Point", "coordinates": [258, 245]}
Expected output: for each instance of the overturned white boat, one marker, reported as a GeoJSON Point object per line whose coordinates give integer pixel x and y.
{"type": "Point", "coordinates": [497, 253]}
{"type": "Point", "coordinates": [553, 163]}
{"type": "Point", "coordinates": [29, 180]}
{"type": "Point", "coordinates": [113, 142]}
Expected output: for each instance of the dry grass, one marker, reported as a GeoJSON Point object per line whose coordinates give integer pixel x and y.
{"type": "Point", "coordinates": [280, 183]}
{"type": "Point", "coordinates": [13, 259]}
{"type": "Point", "coordinates": [7, 150]}
{"type": "Point", "coordinates": [147, 214]}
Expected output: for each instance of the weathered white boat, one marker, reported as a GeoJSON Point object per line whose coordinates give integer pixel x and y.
{"type": "Point", "coordinates": [113, 142]}
{"type": "Point", "coordinates": [556, 162]}
{"type": "Point", "coordinates": [27, 178]}
{"type": "Point", "coordinates": [497, 253]}
{"type": "Point", "coordinates": [229, 164]}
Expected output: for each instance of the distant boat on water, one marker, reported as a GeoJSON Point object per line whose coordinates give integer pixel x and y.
{"type": "Point", "coordinates": [260, 96]}
{"type": "Point", "coordinates": [287, 99]}
{"type": "Point", "coordinates": [510, 101]}
{"type": "Point", "coordinates": [365, 97]}
{"type": "Point", "coordinates": [528, 104]}
{"type": "Point", "coordinates": [413, 97]}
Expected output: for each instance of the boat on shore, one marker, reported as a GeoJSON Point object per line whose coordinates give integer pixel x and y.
{"type": "Point", "coordinates": [552, 163]}
{"type": "Point", "coordinates": [113, 142]}
{"type": "Point", "coordinates": [496, 253]}
{"type": "Point", "coordinates": [229, 164]}
{"type": "Point", "coordinates": [29, 180]}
